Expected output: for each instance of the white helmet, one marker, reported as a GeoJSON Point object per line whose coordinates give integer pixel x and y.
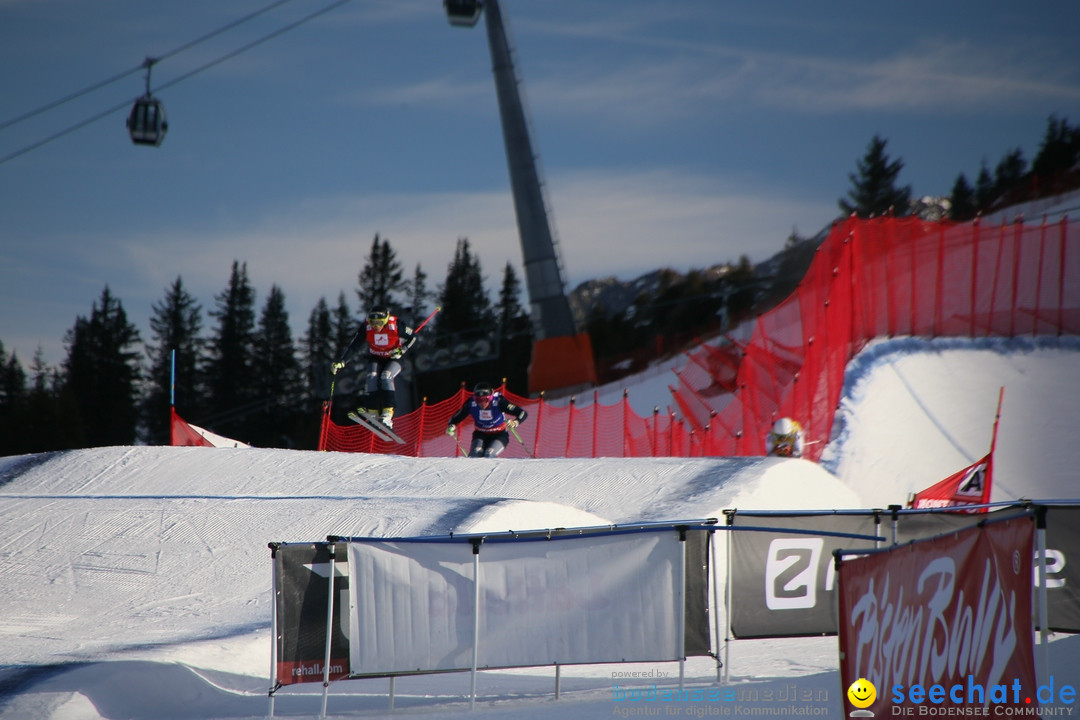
{"type": "Point", "coordinates": [784, 426]}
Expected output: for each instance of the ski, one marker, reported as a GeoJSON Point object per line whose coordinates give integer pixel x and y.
{"type": "Point", "coordinates": [376, 427]}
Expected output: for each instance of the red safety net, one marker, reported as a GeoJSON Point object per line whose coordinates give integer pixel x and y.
{"type": "Point", "coordinates": [884, 277]}
{"type": "Point", "coordinates": [551, 431]}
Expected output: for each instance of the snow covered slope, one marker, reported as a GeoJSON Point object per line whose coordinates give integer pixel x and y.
{"type": "Point", "coordinates": [135, 582]}
{"type": "Point", "coordinates": [915, 411]}
{"type": "Point", "coordinates": [164, 545]}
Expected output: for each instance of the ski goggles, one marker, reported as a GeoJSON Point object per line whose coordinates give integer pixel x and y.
{"type": "Point", "coordinates": [483, 394]}
{"type": "Point", "coordinates": [378, 318]}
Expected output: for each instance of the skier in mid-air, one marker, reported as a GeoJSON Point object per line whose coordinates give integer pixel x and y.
{"type": "Point", "coordinates": [387, 340]}
{"type": "Point", "coordinates": [785, 439]}
{"type": "Point", "coordinates": [493, 416]}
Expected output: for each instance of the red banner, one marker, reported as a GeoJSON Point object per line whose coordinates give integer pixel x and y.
{"type": "Point", "coordinates": [942, 623]}
{"type": "Point", "coordinates": [970, 486]}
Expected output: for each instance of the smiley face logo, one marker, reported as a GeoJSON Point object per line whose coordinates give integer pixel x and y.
{"type": "Point", "coordinates": [862, 693]}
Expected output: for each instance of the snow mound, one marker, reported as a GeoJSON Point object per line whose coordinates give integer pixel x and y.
{"type": "Point", "coordinates": [135, 582]}
{"type": "Point", "coordinates": [510, 515]}
{"type": "Point", "coordinates": [162, 545]}
{"type": "Point", "coordinates": [916, 410]}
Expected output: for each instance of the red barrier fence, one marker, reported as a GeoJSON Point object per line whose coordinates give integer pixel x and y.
{"type": "Point", "coordinates": [551, 431]}
{"type": "Point", "coordinates": [875, 278]}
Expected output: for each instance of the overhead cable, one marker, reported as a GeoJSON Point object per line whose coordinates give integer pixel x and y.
{"type": "Point", "coordinates": [125, 73]}
{"type": "Point", "coordinates": [228, 56]}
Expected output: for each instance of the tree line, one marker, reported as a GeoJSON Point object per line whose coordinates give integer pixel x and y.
{"type": "Point", "coordinates": [678, 308]}
{"type": "Point", "coordinates": [1056, 168]}
{"type": "Point", "coordinates": [248, 379]}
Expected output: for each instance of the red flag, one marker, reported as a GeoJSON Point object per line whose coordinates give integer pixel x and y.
{"type": "Point", "coordinates": [184, 434]}
{"type": "Point", "coordinates": [970, 486]}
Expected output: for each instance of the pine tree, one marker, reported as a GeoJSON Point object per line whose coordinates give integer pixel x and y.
{"type": "Point", "coordinates": [515, 331]}
{"type": "Point", "coordinates": [874, 191]}
{"type": "Point", "coordinates": [464, 299]}
{"type": "Point", "coordinates": [1009, 173]}
{"type": "Point", "coordinates": [984, 188]}
{"type": "Point", "coordinates": [47, 426]}
{"type": "Point", "coordinates": [176, 326]}
{"type": "Point", "coordinates": [102, 372]}
{"type": "Point", "coordinates": [419, 295]}
{"type": "Point", "coordinates": [12, 381]}
{"type": "Point", "coordinates": [962, 205]}
{"type": "Point", "coordinates": [1059, 153]}
{"type": "Point", "coordinates": [344, 328]}
{"type": "Point", "coordinates": [13, 403]}
{"type": "Point", "coordinates": [230, 390]}
{"type": "Point", "coordinates": [276, 376]}
{"type": "Point", "coordinates": [381, 277]}
{"type": "Point", "coordinates": [511, 316]}
{"type": "Point", "coordinates": [345, 332]}
{"type": "Point", "coordinates": [318, 353]}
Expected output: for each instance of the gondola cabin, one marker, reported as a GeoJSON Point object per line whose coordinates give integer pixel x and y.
{"type": "Point", "coordinates": [146, 123]}
{"type": "Point", "coordinates": [463, 13]}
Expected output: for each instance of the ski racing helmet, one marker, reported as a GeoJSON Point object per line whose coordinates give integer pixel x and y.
{"type": "Point", "coordinates": [785, 429]}
{"type": "Point", "coordinates": [379, 316]}
{"type": "Point", "coordinates": [482, 393]}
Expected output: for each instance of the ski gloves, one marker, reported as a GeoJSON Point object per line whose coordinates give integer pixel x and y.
{"type": "Point", "coordinates": [395, 354]}
{"type": "Point", "coordinates": [510, 423]}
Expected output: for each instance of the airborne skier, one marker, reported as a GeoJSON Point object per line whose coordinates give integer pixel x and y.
{"type": "Point", "coordinates": [387, 342]}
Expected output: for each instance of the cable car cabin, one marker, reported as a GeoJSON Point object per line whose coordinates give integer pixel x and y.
{"type": "Point", "coordinates": [146, 123]}
{"type": "Point", "coordinates": [463, 13]}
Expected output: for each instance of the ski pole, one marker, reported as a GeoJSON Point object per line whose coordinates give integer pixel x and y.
{"type": "Point", "coordinates": [514, 432]}
{"type": "Point", "coordinates": [421, 325]}
{"type": "Point", "coordinates": [460, 446]}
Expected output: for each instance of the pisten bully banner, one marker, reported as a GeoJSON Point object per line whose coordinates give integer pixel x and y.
{"type": "Point", "coordinates": [944, 621]}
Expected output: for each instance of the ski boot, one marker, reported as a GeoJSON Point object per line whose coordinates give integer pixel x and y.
{"type": "Point", "coordinates": [362, 412]}
{"type": "Point", "coordinates": [386, 416]}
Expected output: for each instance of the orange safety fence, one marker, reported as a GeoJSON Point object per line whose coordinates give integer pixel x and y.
{"type": "Point", "coordinates": [884, 277]}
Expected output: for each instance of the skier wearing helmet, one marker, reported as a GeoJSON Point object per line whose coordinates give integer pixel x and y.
{"type": "Point", "coordinates": [493, 417]}
{"type": "Point", "coordinates": [387, 341]}
{"type": "Point", "coordinates": [785, 439]}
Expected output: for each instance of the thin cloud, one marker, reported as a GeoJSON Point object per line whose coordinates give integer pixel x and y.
{"type": "Point", "coordinates": [666, 219]}
{"type": "Point", "coordinates": [935, 76]}
{"type": "Point", "coordinates": [622, 225]}
{"type": "Point", "coordinates": [932, 74]}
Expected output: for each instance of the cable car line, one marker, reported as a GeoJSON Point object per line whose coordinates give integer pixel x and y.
{"type": "Point", "coordinates": [228, 56]}
{"type": "Point", "coordinates": [223, 28]}
{"type": "Point", "coordinates": [144, 65]}
{"type": "Point", "coordinates": [120, 76]}
{"type": "Point", "coordinates": [65, 131]}
{"type": "Point", "coordinates": [68, 98]}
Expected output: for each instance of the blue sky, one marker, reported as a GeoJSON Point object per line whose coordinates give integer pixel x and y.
{"type": "Point", "coordinates": [678, 134]}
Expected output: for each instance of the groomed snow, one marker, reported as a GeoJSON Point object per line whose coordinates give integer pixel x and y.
{"type": "Point", "coordinates": [135, 581]}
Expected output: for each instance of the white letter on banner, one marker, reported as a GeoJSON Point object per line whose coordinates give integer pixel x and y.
{"type": "Point", "coordinates": [791, 573]}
